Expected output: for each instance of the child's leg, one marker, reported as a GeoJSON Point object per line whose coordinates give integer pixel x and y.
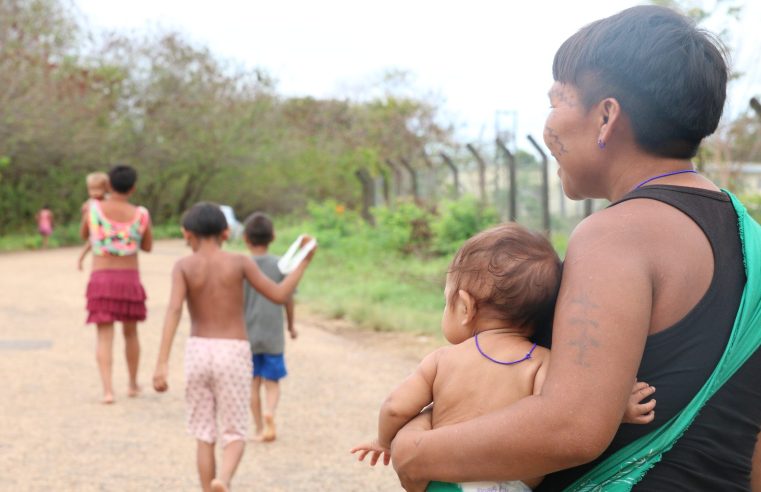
{"type": "Point", "coordinates": [231, 386]}
{"type": "Point", "coordinates": [104, 357]}
{"type": "Point", "coordinates": [231, 456]}
{"type": "Point", "coordinates": [206, 465]}
{"type": "Point", "coordinates": [272, 390]}
{"type": "Point", "coordinates": [256, 407]}
{"type": "Point", "coordinates": [132, 353]}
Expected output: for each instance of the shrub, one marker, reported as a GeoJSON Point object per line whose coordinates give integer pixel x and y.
{"type": "Point", "coordinates": [405, 228]}
{"type": "Point", "coordinates": [459, 220]}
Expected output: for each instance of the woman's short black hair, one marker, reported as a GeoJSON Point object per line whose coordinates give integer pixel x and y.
{"type": "Point", "coordinates": [669, 76]}
{"type": "Point", "coordinates": [204, 219]}
{"type": "Point", "coordinates": [122, 178]}
{"type": "Point", "coordinates": [259, 230]}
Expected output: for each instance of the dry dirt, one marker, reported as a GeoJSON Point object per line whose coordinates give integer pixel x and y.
{"type": "Point", "coordinates": [55, 435]}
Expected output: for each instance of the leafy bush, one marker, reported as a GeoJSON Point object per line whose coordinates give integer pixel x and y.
{"type": "Point", "coordinates": [459, 220]}
{"type": "Point", "coordinates": [405, 228]}
{"type": "Point", "coordinates": [333, 221]}
{"type": "Point", "coordinates": [753, 204]}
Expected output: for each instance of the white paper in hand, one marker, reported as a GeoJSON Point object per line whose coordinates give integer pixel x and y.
{"type": "Point", "coordinates": [295, 255]}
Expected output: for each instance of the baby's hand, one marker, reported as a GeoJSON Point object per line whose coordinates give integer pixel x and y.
{"type": "Point", "coordinates": [636, 412]}
{"type": "Point", "coordinates": [160, 377]}
{"type": "Point", "coordinates": [375, 450]}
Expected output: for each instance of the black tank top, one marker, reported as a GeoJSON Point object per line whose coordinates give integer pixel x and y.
{"type": "Point", "coordinates": [715, 452]}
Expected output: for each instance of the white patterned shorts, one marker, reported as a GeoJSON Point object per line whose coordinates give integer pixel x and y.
{"type": "Point", "coordinates": [217, 386]}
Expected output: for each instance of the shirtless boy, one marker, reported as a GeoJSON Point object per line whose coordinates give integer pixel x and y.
{"type": "Point", "coordinates": [217, 354]}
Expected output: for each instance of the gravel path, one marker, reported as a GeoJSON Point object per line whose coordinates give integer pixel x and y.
{"type": "Point", "coordinates": [55, 435]}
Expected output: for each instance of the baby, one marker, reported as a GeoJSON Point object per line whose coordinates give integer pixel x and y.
{"type": "Point", "coordinates": [97, 187]}
{"type": "Point", "coordinates": [501, 286]}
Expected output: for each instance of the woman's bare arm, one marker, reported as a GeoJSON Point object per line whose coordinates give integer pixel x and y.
{"type": "Point", "coordinates": [601, 324]}
{"type": "Point", "coordinates": [147, 242]}
{"type": "Point", "coordinates": [755, 476]}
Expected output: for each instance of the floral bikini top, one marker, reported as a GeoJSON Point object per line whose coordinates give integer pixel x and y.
{"type": "Point", "coordinates": [109, 237]}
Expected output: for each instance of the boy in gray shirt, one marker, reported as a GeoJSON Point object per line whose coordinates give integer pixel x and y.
{"type": "Point", "coordinates": [264, 324]}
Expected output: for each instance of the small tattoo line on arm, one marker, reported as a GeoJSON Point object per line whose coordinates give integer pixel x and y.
{"type": "Point", "coordinates": [585, 339]}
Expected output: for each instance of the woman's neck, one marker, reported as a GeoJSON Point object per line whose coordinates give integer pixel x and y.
{"type": "Point", "coordinates": [638, 169]}
{"type": "Point", "coordinates": [118, 197]}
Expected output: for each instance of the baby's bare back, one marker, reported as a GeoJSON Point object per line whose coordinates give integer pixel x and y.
{"type": "Point", "coordinates": [215, 294]}
{"type": "Point", "coordinates": [468, 385]}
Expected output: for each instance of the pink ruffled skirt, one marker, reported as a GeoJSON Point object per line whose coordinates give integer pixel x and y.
{"type": "Point", "coordinates": [115, 295]}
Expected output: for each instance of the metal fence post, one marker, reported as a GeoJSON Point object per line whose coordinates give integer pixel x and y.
{"type": "Point", "coordinates": [545, 187]}
{"type": "Point", "coordinates": [455, 173]}
{"type": "Point", "coordinates": [481, 172]}
{"type": "Point", "coordinates": [512, 181]}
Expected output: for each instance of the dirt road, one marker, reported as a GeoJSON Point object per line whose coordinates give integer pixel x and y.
{"type": "Point", "coordinates": [55, 435]}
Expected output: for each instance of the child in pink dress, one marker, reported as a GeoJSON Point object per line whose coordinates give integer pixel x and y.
{"type": "Point", "coordinates": [45, 224]}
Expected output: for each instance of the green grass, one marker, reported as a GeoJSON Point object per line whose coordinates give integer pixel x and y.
{"type": "Point", "coordinates": [351, 278]}
{"type": "Point", "coordinates": [68, 235]}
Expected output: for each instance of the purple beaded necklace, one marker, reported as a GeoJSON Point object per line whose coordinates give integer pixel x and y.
{"type": "Point", "coordinates": [504, 363]}
{"type": "Point", "coordinates": [663, 176]}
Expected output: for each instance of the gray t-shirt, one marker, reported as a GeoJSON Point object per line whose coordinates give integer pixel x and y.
{"type": "Point", "coordinates": [264, 319]}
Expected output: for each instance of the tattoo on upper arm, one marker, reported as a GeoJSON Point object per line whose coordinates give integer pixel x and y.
{"type": "Point", "coordinates": [585, 340]}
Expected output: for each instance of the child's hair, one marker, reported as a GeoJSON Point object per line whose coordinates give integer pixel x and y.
{"type": "Point", "coordinates": [97, 180]}
{"type": "Point", "coordinates": [259, 230]}
{"type": "Point", "coordinates": [122, 178]}
{"type": "Point", "coordinates": [512, 273]}
{"type": "Point", "coordinates": [204, 219]}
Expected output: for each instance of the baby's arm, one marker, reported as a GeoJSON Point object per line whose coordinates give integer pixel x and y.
{"type": "Point", "coordinates": [171, 321]}
{"type": "Point", "coordinates": [636, 412]}
{"type": "Point", "coordinates": [278, 293]}
{"type": "Point", "coordinates": [402, 405]}
{"type": "Point", "coordinates": [87, 247]}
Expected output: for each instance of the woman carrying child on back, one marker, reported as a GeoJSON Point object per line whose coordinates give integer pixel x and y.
{"type": "Point", "coordinates": [116, 230]}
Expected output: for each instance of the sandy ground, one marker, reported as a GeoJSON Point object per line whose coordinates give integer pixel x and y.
{"type": "Point", "coordinates": [55, 435]}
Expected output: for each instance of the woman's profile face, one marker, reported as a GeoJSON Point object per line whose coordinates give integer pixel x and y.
{"type": "Point", "coordinates": [571, 136]}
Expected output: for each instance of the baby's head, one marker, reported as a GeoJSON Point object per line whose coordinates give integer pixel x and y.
{"type": "Point", "coordinates": [97, 185]}
{"type": "Point", "coordinates": [258, 229]}
{"type": "Point", "coordinates": [510, 274]}
{"type": "Point", "coordinates": [204, 220]}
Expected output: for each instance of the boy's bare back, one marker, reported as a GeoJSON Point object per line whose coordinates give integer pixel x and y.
{"type": "Point", "coordinates": [214, 283]}
{"type": "Point", "coordinates": [466, 384]}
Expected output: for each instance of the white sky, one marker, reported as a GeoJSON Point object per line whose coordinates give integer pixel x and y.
{"type": "Point", "coordinates": [480, 56]}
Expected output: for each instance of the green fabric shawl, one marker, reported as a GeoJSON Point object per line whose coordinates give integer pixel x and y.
{"type": "Point", "coordinates": [627, 466]}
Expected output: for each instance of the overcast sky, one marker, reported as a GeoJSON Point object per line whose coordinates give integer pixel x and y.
{"type": "Point", "coordinates": [479, 56]}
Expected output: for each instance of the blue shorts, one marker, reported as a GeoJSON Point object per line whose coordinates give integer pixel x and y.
{"type": "Point", "coordinates": [269, 366]}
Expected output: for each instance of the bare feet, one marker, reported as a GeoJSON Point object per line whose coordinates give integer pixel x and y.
{"type": "Point", "coordinates": [134, 391]}
{"type": "Point", "coordinates": [218, 485]}
{"type": "Point", "coordinates": [107, 399]}
{"type": "Point", "coordinates": [258, 437]}
{"type": "Point", "coordinates": [269, 429]}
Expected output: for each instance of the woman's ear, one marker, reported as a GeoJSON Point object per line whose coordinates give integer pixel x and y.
{"type": "Point", "coordinates": [610, 117]}
{"type": "Point", "coordinates": [468, 305]}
